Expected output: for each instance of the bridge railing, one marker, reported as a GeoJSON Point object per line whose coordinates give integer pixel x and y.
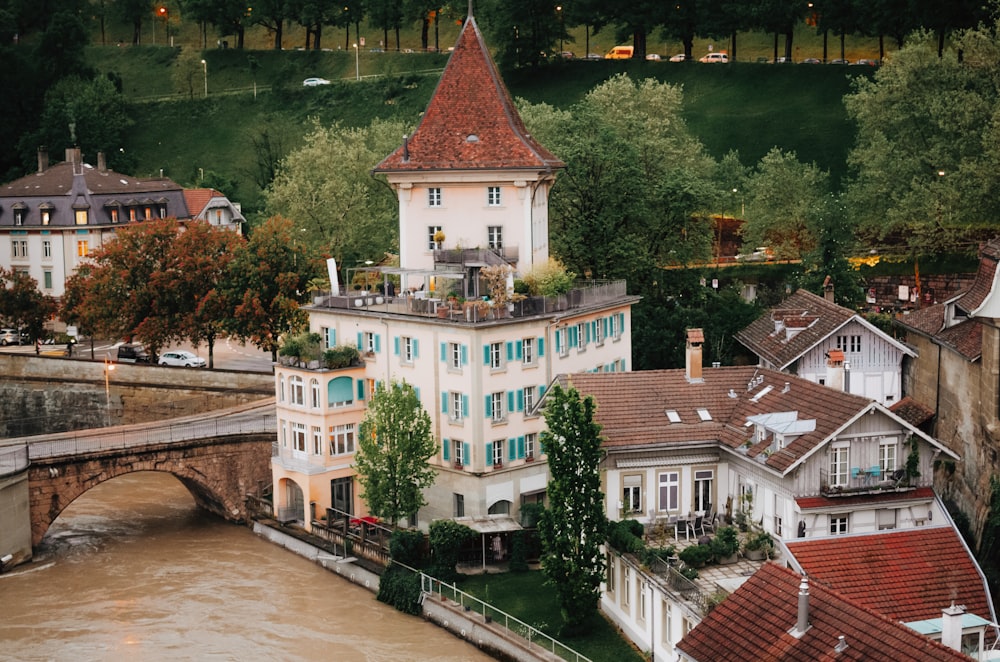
{"type": "Point", "coordinates": [13, 460]}
{"type": "Point", "coordinates": [100, 440]}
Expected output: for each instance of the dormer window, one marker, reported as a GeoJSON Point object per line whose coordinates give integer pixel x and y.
{"type": "Point", "coordinates": [81, 215]}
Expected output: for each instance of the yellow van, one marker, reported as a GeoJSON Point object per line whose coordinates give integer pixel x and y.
{"type": "Point", "coordinates": [620, 53]}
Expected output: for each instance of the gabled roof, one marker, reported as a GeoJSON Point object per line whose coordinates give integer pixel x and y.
{"type": "Point", "coordinates": [814, 318]}
{"type": "Point", "coordinates": [632, 406]}
{"type": "Point", "coordinates": [755, 621]}
{"type": "Point", "coordinates": [908, 575]}
{"type": "Point", "coordinates": [61, 178]}
{"type": "Point", "coordinates": [471, 121]}
{"type": "Point", "coordinates": [965, 338]}
{"type": "Point", "coordinates": [913, 412]}
{"type": "Point", "coordinates": [200, 200]}
{"type": "Point", "coordinates": [982, 286]}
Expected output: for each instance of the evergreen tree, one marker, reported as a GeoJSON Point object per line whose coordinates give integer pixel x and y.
{"type": "Point", "coordinates": [394, 444]}
{"type": "Point", "coordinates": [572, 529]}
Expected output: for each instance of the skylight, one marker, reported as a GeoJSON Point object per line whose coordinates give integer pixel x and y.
{"type": "Point", "coordinates": [673, 416]}
{"type": "Point", "coordinates": [704, 415]}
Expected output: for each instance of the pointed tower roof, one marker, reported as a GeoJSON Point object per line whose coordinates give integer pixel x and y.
{"type": "Point", "coordinates": [471, 122]}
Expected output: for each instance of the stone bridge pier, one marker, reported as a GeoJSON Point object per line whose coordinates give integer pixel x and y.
{"type": "Point", "coordinates": [219, 472]}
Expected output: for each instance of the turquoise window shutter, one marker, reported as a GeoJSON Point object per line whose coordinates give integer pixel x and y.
{"type": "Point", "coordinates": [589, 332]}
{"type": "Point", "coordinates": [489, 453]}
{"type": "Point", "coordinates": [465, 406]}
{"type": "Point", "coordinates": [520, 400]}
{"type": "Point", "coordinates": [445, 449]}
{"type": "Point", "coordinates": [518, 350]}
{"type": "Point", "coordinates": [444, 402]}
{"type": "Point", "coordinates": [510, 401]}
{"type": "Point", "coordinates": [510, 351]}
{"type": "Point", "coordinates": [489, 406]}
{"type": "Point", "coordinates": [416, 392]}
{"type": "Point", "coordinates": [541, 347]}
{"type": "Point", "coordinates": [378, 343]}
{"type": "Point", "coordinates": [395, 346]}
{"type": "Point", "coordinates": [444, 352]}
{"type": "Point", "coordinates": [361, 389]}
{"type": "Point", "coordinates": [520, 447]}
{"type": "Point", "coordinates": [486, 354]}
{"type": "Point", "coordinates": [361, 340]}
{"type": "Point", "coordinates": [541, 390]}
{"type": "Point", "coordinates": [465, 454]}
{"type": "Point", "coordinates": [465, 355]}
{"type": "Point", "coordinates": [416, 348]}
{"type": "Point", "coordinates": [621, 322]}
{"type": "Point", "coordinates": [511, 449]}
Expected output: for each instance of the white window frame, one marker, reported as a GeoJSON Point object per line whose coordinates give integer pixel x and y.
{"type": "Point", "coordinates": [296, 391]}
{"type": "Point", "coordinates": [632, 493]}
{"type": "Point", "coordinates": [406, 350]}
{"type": "Point", "coordinates": [458, 452]}
{"type": "Point", "coordinates": [314, 394]}
{"type": "Point", "coordinates": [47, 249]}
{"type": "Point", "coordinates": [528, 394]}
{"type": "Point", "coordinates": [529, 444]}
{"type": "Point", "coordinates": [455, 356]}
{"type": "Point", "coordinates": [19, 248]}
{"type": "Point", "coordinates": [581, 337]}
{"type": "Point", "coordinates": [493, 196]}
{"type": "Point", "coordinates": [298, 437]}
{"type": "Point", "coordinates": [81, 216]}
{"type": "Point", "coordinates": [670, 481]}
{"type": "Point", "coordinates": [342, 439]}
{"type": "Point", "coordinates": [494, 237]}
{"type": "Point", "coordinates": [839, 465]}
{"type": "Point", "coordinates": [496, 356]}
{"type": "Point", "coordinates": [431, 231]}
{"type": "Point", "coordinates": [455, 406]}
{"type": "Point", "coordinates": [497, 400]}
{"type": "Point", "coordinates": [528, 351]}
{"type": "Point", "coordinates": [840, 524]}
{"type": "Point", "coordinates": [498, 449]}
{"type": "Point", "coordinates": [434, 198]}
{"type": "Point", "coordinates": [562, 341]}
{"type": "Point", "coordinates": [369, 340]}
{"type": "Point", "coordinates": [702, 476]}
{"type": "Point", "coordinates": [888, 455]}
{"type": "Point", "coordinates": [616, 329]}
{"type": "Point", "coordinates": [317, 437]}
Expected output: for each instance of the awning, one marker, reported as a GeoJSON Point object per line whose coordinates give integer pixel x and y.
{"type": "Point", "coordinates": [659, 460]}
{"type": "Point", "coordinates": [484, 525]}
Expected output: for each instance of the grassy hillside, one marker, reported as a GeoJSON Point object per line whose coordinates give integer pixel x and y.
{"type": "Point", "coordinates": [743, 106]}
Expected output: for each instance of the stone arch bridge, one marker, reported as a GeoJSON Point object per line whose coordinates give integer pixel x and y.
{"type": "Point", "coordinates": [220, 456]}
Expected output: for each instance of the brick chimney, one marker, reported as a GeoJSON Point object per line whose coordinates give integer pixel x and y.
{"type": "Point", "coordinates": [828, 289]}
{"type": "Point", "coordinates": [835, 369]}
{"type": "Point", "coordinates": [951, 626]}
{"type": "Point", "coordinates": [102, 163]}
{"type": "Point", "coordinates": [692, 355]}
{"type": "Point", "coordinates": [43, 159]}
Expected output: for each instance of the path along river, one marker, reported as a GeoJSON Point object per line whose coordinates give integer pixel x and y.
{"type": "Point", "coordinates": [134, 571]}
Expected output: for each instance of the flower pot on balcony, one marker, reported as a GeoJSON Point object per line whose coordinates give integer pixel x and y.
{"type": "Point", "coordinates": [459, 465]}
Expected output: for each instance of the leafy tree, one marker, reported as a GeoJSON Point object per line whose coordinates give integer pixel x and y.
{"type": "Point", "coordinates": [830, 226]}
{"type": "Point", "coordinates": [187, 72]}
{"type": "Point", "coordinates": [386, 15]}
{"type": "Point", "coordinates": [637, 19]}
{"type": "Point", "coordinates": [573, 527]}
{"type": "Point", "coordinates": [328, 188]}
{"type": "Point", "coordinates": [394, 445]}
{"type": "Point", "coordinates": [271, 14]}
{"type": "Point", "coordinates": [926, 163]}
{"type": "Point", "coordinates": [264, 283]}
{"type": "Point", "coordinates": [781, 195]}
{"type": "Point", "coordinates": [22, 305]}
{"type": "Point", "coordinates": [132, 12]}
{"type": "Point", "coordinates": [447, 538]}
{"type": "Point", "coordinates": [524, 32]}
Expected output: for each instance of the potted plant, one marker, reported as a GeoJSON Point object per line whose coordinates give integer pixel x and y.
{"type": "Point", "coordinates": [439, 238]}
{"type": "Point", "coordinates": [725, 545]}
{"type": "Point", "coordinates": [696, 556]}
{"type": "Point", "coordinates": [758, 545]}
{"type": "Point", "coordinates": [683, 579]}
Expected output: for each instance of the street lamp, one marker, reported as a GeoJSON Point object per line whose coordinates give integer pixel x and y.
{"type": "Point", "coordinates": [357, 63]}
{"type": "Point", "coordinates": [559, 11]}
{"type": "Point", "coordinates": [108, 367]}
{"type": "Point", "coordinates": [204, 67]}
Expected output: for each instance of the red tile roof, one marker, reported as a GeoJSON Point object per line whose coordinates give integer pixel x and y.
{"type": "Point", "coordinates": [907, 575]}
{"type": "Point", "coordinates": [197, 198]}
{"type": "Point", "coordinates": [870, 500]}
{"type": "Point", "coordinates": [754, 623]}
{"type": "Point", "coordinates": [816, 318]}
{"type": "Point", "coordinates": [989, 255]}
{"type": "Point", "coordinates": [911, 411]}
{"type": "Point", "coordinates": [470, 122]}
{"type": "Point", "coordinates": [730, 394]}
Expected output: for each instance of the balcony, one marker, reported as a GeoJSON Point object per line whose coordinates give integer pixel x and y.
{"type": "Point", "coordinates": [861, 481]}
{"type": "Point", "coordinates": [586, 293]}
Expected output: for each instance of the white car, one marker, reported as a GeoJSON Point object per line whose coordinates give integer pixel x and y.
{"type": "Point", "coordinates": [180, 357]}
{"type": "Point", "coordinates": [653, 57]}
{"type": "Point", "coordinates": [715, 57]}
{"type": "Point", "coordinates": [313, 82]}
{"type": "Point", "coordinates": [680, 57]}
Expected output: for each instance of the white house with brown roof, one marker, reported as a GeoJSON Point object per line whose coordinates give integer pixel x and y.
{"type": "Point", "coordinates": [471, 171]}
{"type": "Point", "coordinates": [51, 220]}
{"type": "Point", "coordinates": [796, 459]}
{"type": "Point", "coordinates": [809, 336]}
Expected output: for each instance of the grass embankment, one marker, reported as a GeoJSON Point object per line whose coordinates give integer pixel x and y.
{"type": "Point", "coordinates": [746, 107]}
{"type": "Point", "coordinates": [523, 594]}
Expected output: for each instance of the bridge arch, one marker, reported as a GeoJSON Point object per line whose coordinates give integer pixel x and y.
{"type": "Point", "coordinates": [218, 472]}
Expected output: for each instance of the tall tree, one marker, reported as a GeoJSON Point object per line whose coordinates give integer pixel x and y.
{"type": "Point", "coordinates": [328, 188]}
{"type": "Point", "coordinates": [394, 446]}
{"type": "Point", "coordinates": [386, 15]}
{"type": "Point", "coordinates": [22, 305]}
{"type": "Point", "coordinates": [524, 32]}
{"type": "Point", "coordinates": [271, 14]}
{"type": "Point", "coordinates": [572, 528]}
{"type": "Point", "coordinates": [265, 283]}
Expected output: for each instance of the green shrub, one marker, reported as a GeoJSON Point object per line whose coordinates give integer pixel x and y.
{"type": "Point", "coordinates": [407, 547]}
{"type": "Point", "coordinates": [696, 556]}
{"type": "Point", "coordinates": [341, 356]}
{"type": "Point", "coordinates": [726, 542]}
{"type": "Point", "coordinates": [530, 514]}
{"type": "Point", "coordinates": [447, 538]}
{"type": "Point", "coordinates": [518, 552]}
{"type": "Point", "coordinates": [400, 588]}
{"type": "Point", "coordinates": [622, 537]}
{"type": "Point", "coordinates": [652, 554]}
{"type": "Point", "coordinates": [304, 346]}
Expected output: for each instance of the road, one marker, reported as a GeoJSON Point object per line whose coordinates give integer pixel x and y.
{"type": "Point", "coordinates": [229, 354]}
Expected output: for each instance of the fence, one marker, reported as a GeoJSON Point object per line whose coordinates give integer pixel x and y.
{"type": "Point", "coordinates": [429, 586]}
{"type": "Point", "coordinates": [90, 441]}
{"type": "Point", "coordinates": [13, 460]}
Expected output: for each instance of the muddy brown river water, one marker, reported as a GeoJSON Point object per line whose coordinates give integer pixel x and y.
{"type": "Point", "coordinates": [134, 571]}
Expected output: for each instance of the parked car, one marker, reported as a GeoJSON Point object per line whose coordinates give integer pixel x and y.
{"type": "Point", "coordinates": [653, 57]}
{"type": "Point", "coordinates": [812, 60]}
{"type": "Point", "coordinates": [839, 61]}
{"type": "Point", "coordinates": [567, 55]}
{"type": "Point", "coordinates": [593, 56]}
{"type": "Point", "coordinates": [759, 254]}
{"type": "Point", "coordinates": [182, 358]}
{"type": "Point", "coordinates": [313, 82]}
{"type": "Point", "coordinates": [714, 57]}
{"type": "Point", "coordinates": [867, 63]}
{"type": "Point", "coordinates": [680, 57]}
{"type": "Point", "coordinates": [783, 60]}
{"type": "Point", "coordinates": [133, 353]}
{"type": "Point", "coordinates": [9, 337]}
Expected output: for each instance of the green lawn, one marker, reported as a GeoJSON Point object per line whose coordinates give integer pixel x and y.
{"type": "Point", "coordinates": [525, 596]}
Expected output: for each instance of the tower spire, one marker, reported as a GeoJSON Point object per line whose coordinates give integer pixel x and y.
{"type": "Point", "coordinates": [470, 9]}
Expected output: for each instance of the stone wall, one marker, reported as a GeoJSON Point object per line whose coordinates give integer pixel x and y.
{"type": "Point", "coordinates": [41, 394]}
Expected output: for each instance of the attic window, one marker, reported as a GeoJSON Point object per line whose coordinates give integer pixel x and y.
{"type": "Point", "coordinates": [673, 416]}
{"type": "Point", "coordinates": [704, 415]}
{"type": "Point", "coordinates": [472, 138]}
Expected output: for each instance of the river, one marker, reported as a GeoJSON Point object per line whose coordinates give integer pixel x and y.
{"type": "Point", "coordinates": [133, 570]}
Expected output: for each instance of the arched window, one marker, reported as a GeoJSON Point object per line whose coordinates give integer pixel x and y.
{"type": "Point", "coordinates": [314, 394]}
{"type": "Point", "coordinates": [340, 392]}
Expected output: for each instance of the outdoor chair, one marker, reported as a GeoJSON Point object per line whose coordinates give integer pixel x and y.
{"type": "Point", "coordinates": [697, 525]}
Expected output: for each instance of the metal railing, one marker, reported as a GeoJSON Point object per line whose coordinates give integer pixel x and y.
{"type": "Point", "coordinates": [430, 586]}
{"type": "Point", "coordinates": [13, 460]}
{"type": "Point", "coordinates": [89, 441]}
{"type": "Point", "coordinates": [861, 481]}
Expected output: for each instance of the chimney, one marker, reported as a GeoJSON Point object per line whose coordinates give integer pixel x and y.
{"type": "Point", "coordinates": [102, 163]}
{"type": "Point", "coordinates": [802, 623]}
{"type": "Point", "coordinates": [406, 148]}
{"type": "Point", "coordinates": [43, 159]}
{"type": "Point", "coordinates": [835, 369]}
{"type": "Point", "coordinates": [73, 154]}
{"type": "Point", "coordinates": [692, 355]}
{"type": "Point", "coordinates": [828, 289]}
{"type": "Point", "coordinates": [951, 626]}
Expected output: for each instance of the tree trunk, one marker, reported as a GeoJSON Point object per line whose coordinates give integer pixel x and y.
{"type": "Point", "coordinates": [425, 26]}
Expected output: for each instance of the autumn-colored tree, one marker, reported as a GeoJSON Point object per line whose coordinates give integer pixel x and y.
{"type": "Point", "coordinates": [265, 282]}
{"type": "Point", "coordinates": [21, 304]}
